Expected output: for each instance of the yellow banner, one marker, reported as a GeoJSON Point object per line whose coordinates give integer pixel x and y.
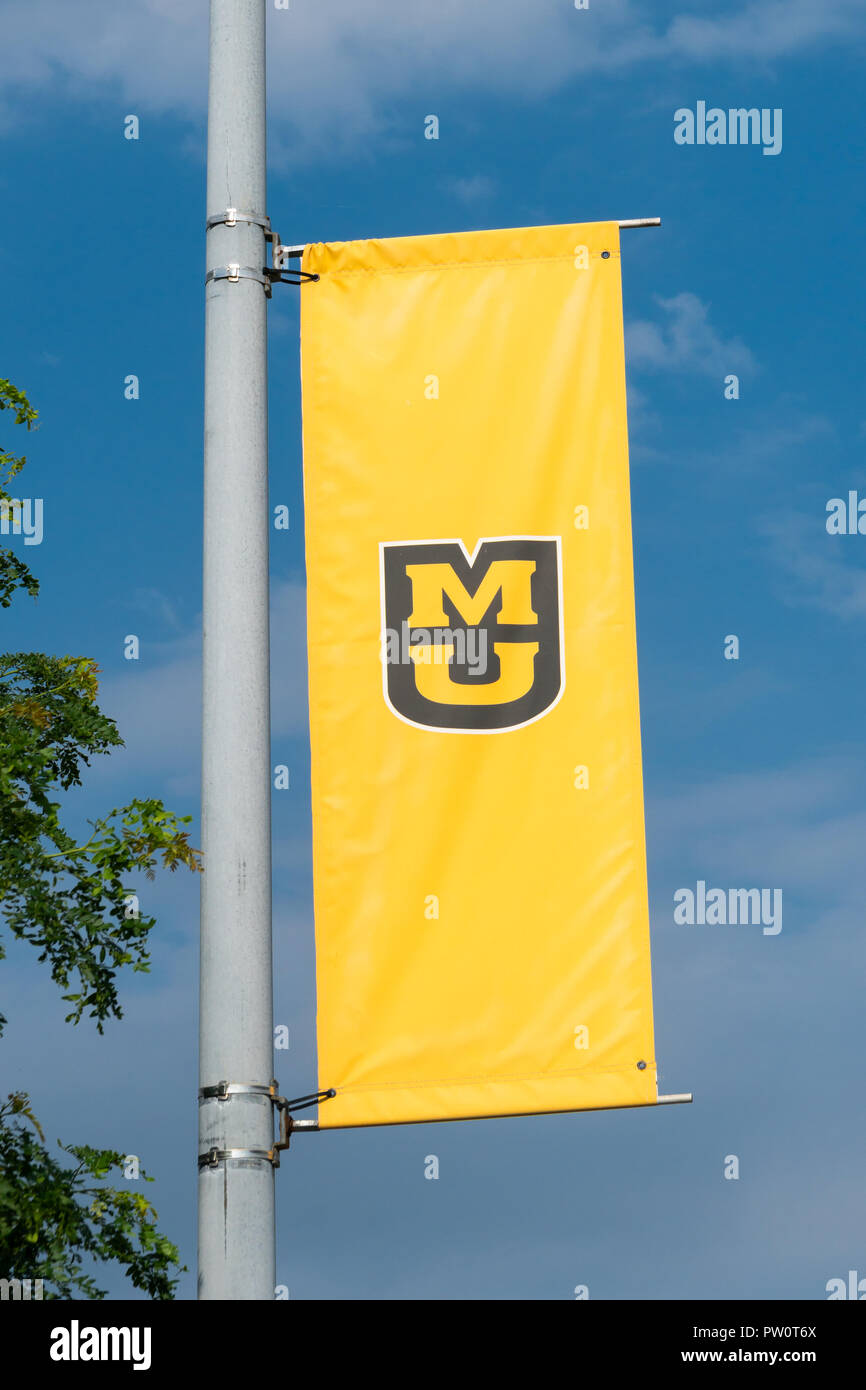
{"type": "Point", "coordinates": [482, 935]}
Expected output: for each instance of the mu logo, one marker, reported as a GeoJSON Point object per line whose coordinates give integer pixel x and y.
{"type": "Point", "coordinates": [472, 643]}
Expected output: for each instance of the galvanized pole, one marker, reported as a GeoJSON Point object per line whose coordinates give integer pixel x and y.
{"type": "Point", "coordinates": [236, 1190]}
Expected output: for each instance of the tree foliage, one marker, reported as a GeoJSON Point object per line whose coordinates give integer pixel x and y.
{"type": "Point", "coordinates": [56, 1217]}
{"type": "Point", "coordinates": [14, 574]}
{"type": "Point", "coordinates": [72, 901]}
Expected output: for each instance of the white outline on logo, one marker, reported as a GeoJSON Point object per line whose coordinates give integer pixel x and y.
{"type": "Point", "coordinates": [507, 728]}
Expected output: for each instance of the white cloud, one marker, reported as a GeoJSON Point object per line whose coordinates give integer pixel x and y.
{"type": "Point", "coordinates": [685, 341]}
{"type": "Point", "coordinates": [156, 605]}
{"type": "Point", "coordinates": [784, 430]}
{"type": "Point", "coordinates": [817, 570]}
{"type": "Point", "coordinates": [778, 434]}
{"type": "Point", "coordinates": [476, 188]}
{"type": "Point", "coordinates": [156, 701]}
{"type": "Point", "coordinates": [772, 29]}
{"type": "Point", "coordinates": [335, 66]}
{"type": "Point", "coordinates": [799, 827]}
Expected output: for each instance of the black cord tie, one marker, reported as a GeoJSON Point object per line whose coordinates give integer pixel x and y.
{"type": "Point", "coordinates": [291, 277]}
{"type": "Point", "coordinates": [304, 1102]}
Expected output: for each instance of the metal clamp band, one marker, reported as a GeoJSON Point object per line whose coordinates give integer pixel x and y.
{"type": "Point", "coordinates": [234, 271]}
{"type": "Point", "coordinates": [214, 1157]}
{"type": "Point", "coordinates": [231, 217]}
{"type": "Point", "coordinates": [224, 1090]}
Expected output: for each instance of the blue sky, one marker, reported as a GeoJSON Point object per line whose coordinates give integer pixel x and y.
{"type": "Point", "coordinates": [754, 768]}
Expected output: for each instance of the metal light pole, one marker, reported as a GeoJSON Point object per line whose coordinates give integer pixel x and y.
{"type": "Point", "coordinates": [236, 1178]}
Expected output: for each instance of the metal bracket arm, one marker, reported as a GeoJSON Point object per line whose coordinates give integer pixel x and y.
{"type": "Point", "coordinates": [227, 1090]}
{"type": "Point", "coordinates": [269, 274]}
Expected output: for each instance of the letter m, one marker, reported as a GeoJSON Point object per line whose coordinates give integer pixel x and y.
{"type": "Point", "coordinates": [744, 906]}
{"type": "Point", "coordinates": [510, 578]}
{"type": "Point", "coordinates": [740, 123]}
{"type": "Point", "coordinates": [115, 1343]}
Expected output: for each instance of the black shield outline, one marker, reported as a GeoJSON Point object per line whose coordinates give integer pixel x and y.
{"type": "Point", "coordinates": [398, 681]}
